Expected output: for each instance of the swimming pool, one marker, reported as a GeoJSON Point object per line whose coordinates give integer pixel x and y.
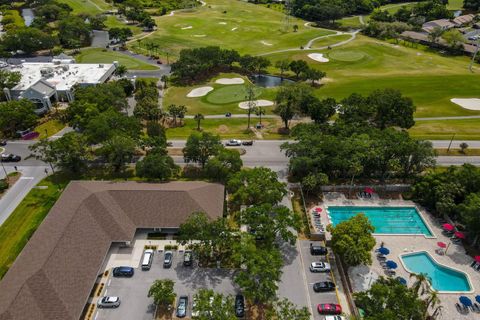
{"type": "Point", "coordinates": [441, 278]}
{"type": "Point", "coordinates": [386, 220]}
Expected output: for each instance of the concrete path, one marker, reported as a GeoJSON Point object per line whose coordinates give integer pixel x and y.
{"type": "Point", "coordinates": [447, 118]}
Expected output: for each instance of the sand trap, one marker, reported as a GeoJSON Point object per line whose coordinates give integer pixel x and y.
{"type": "Point", "coordinates": [199, 35]}
{"type": "Point", "coordinates": [258, 103]}
{"type": "Point", "coordinates": [230, 81]}
{"type": "Point", "coordinates": [419, 54]}
{"type": "Point", "coordinates": [470, 104]}
{"type": "Point", "coordinates": [199, 92]}
{"type": "Point", "coordinates": [266, 43]}
{"type": "Point", "coordinates": [233, 29]}
{"type": "Point", "coordinates": [318, 57]}
{"type": "Point", "coordinates": [185, 28]}
{"type": "Point", "coordinates": [222, 23]}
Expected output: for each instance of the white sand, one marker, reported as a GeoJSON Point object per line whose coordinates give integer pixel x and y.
{"type": "Point", "coordinates": [258, 103]}
{"type": "Point", "coordinates": [222, 23]}
{"type": "Point", "coordinates": [199, 92]}
{"type": "Point", "coordinates": [470, 104]}
{"type": "Point", "coordinates": [185, 28]}
{"type": "Point", "coordinates": [318, 57]}
{"type": "Point", "coordinates": [233, 29]}
{"type": "Point", "coordinates": [266, 43]}
{"type": "Point", "coordinates": [199, 35]}
{"type": "Point", "coordinates": [230, 81]}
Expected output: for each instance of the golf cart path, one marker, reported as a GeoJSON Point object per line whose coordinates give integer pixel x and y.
{"type": "Point", "coordinates": [172, 13]}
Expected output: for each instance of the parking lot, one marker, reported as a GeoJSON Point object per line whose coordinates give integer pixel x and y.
{"type": "Point", "coordinates": [188, 280]}
{"type": "Point", "coordinates": [311, 278]}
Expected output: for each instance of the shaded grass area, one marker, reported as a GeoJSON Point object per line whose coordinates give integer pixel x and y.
{"type": "Point", "coordinates": [113, 22]}
{"type": "Point", "coordinates": [350, 22]}
{"type": "Point", "coordinates": [366, 64]}
{"type": "Point", "coordinates": [22, 223]}
{"type": "Point", "coordinates": [238, 25]}
{"type": "Point", "coordinates": [226, 128]}
{"type": "Point", "coordinates": [224, 98]}
{"type": "Point", "coordinates": [465, 129]}
{"type": "Point", "coordinates": [49, 128]}
{"type": "Point", "coordinates": [97, 55]}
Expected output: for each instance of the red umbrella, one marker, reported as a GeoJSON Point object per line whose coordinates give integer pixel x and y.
{"type": "Point", "coordinates": [460, 235]}
{"type": "Point", "coordinates": [477, 258]}
{"type": "Point", "coordinates": [442, 244]}
{"type": "Point", "coordinates": [318, 209]}
{"type": "Point", "coordinates": [448, 227]}
{"type": "Point", "coordinates": [369, 190]}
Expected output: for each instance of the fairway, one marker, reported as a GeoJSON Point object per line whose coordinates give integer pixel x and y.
{"type": "Point", "coordinates": [101, 56]}
{"type": "Point", "coordinates": [237, 25]}
{"type": "Point", "coordinates": [366, 64]}
{"type": "Point", "coordinates": [466, 129]}
{"type": "Point", "coordinates": [87, 6]}
{"type": "Point", "coordinates": [230, 94]}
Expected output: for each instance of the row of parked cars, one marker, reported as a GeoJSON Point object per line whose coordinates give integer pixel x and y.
{"type": "Point", "coordinates": [237, 143]}
{"type": "Point", "coordinates": [333, 310]}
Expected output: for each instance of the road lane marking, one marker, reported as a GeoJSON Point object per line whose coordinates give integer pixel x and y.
{"type": "Point", "coordinates": [27, 178]}
{"type": "Point", "coordinates": [96, 315]}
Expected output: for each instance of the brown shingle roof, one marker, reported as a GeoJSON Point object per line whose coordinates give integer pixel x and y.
{"type": "Point", "coordinates": [55, 272]}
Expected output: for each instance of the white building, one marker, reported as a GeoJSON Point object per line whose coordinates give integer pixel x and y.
{"type": "Point", "coordinates": [46, 83]}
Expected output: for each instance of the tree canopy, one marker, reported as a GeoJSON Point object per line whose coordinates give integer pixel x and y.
{"type": "Point", "coordinates": [162, 292]}
{"type": "Point", "coordinates": [16, 115]}
{"type": "Point", "coordinates": [200, 147]}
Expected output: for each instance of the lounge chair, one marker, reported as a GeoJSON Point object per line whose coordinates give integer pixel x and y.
{"type": "Point", "coordinates": [473, 264]}
{"type": "Point", "coordinates": [477, 267]}
{"type": "Point", "coordinates": [476, 308]}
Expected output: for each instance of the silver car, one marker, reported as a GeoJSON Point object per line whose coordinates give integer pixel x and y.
{"type": "Point", "coordinates": [109, 302]}
{"type": "Point", "coordinates": [319, 267]}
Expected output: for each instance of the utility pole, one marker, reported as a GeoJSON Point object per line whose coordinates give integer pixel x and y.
{"type": "Point", "coordinates": [450, 144]}
{"type": "Point", "coordinates": [470, 67]}
{"type": "Point", "coordinates": [286, 21]}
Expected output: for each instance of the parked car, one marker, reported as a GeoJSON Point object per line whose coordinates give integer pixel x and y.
{"type": "Point", "coordinates": [329, 308]}
{"type": "Point", "coordinates": [239, 306]}
{"type": "Point", "coordinates": [3, 142]}
{"type": "Point", "coordinates": [317, 250]}
{"type": "Point", "coordinates": [334, 318]}
{"type": "Point", "coordinates": [10, 157]}
{"type": "Point", "coordinates": [182, 306]}
{"type": "Point", "coordinates": [228, 114]}
{"type": "Point", "coordinates": [167, 259]}
{"type": "Point", "coordinates": [234, 143]}
{"type": "Point", "coordinates": [247, 143]}
{"type": "Point", "coordinates": [123, 272]}
{"type": "Point", "coordinates": [147, 259]}
{"type": "Point", "coordinates": [109, 302]}
{"type": "Point", "coordinates": [159, 62]}
{"type": "Point", "coordinates": [319, 267]}
{"type": "Point", "coordinates": [187, 258]}
{"type": "Point", "coordinates": [323, 286]}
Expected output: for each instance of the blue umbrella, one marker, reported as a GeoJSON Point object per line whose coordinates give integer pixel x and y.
{"type": "Point", "coordinates": [477, 298]}
{"type": "Point", "coordinates": [465, 301]}
{"type": "Point", "coordinates": [384, 250]}
{"type": "Point", "coordinates": [391, 264]}
{"type": "Point", "coordinates": [402, 280]}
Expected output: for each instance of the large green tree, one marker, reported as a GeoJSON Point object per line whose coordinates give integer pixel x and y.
{"type": "Point", "coordinates": [286, 310]}
{"type": "Point", "coordinates": [223, 165]}
{"type": "Point", "coordinates": [157, 166]}
{"type": "Point", "coordinates": [201, 146]}
{"type": "Point", "coordinates": [353, 241]}
{"type": "Point", "coordinates": [28, 40]}
{"type": "Point", "coordinates": [118, 151]}
{"type": "Point", "coordinates": [8, 79]}
{"type": "Point", "coordinates": [16, 115]}
{"type": "Point", "coordinates": [74, 32]}
{"type": "Point", "coordinates": [213, 306]}
{"type": "Point", "coordinates": [162, 292]}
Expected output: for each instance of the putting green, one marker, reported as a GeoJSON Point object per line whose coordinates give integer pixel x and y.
{"type": "Point", "coordinates": [346, 56]}
{"type": "Point", "coordinates": [230, 94]}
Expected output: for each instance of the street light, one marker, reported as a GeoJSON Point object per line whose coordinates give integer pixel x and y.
{"type": "Point", "coordinates": [5, 170]}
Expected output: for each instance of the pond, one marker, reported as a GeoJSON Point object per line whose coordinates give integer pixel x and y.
{"type": "Point", "coordinates": [28, 16]}
{"type": "Point", "coordinates": [267, 81]}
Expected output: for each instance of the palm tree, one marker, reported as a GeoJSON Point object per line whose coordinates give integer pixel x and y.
{"type": "Point", "coordinates": [260, 111]}
{"type": "Point", "coordinates": [250, 96]}
{"type": "Point", "coordinates": [199, 117]}
{"type": "Point", "coordinates": [432, 301]}
{"type": "Point", "coordinates": [420, 286]}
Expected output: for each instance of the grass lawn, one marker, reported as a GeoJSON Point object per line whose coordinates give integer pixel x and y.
{"type": "Point", "coordinates": [330, 40]}
{"type": "Point", "coordinates": [20, 226]}
{"type": "Point", "coordinates": [223, 99]}
{"type": "Point", "coordinates": [52, 127]}
{"type": "Point", "coordinates": [467, 129]}
{"type": "Point", "coordinates": [113, 22]}
{"type": "Point", "coordinates": [227, 128]}
{"type": "Point", "coordinates": [366, 64]}
{"type": "Point", "coordinates": [87, 6]}
{"type": "Point", "coordinates": [245, 27]}
{"type": "Point", "coordinates": [350, 22]}
{"type": "Point", "coordinates": [458, 152]}
{"type": "Point", "coordinates": [455, 4]}
{"type": "Point", "coordinates": [97, 55]}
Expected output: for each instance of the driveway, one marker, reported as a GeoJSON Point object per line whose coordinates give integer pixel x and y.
{"type": "Point", "coordinates": [188, 280]}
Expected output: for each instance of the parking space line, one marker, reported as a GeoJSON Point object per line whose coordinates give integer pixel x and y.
{"type": "Point", "coordinates": [106, 290]}
{"type": "Point", "coordinates": [96, 315]}
{"type": "Point", "coordinates": [108, 283]}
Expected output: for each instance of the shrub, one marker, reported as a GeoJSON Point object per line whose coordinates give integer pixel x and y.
{"type": "Point", "coordinates": [3, 184]}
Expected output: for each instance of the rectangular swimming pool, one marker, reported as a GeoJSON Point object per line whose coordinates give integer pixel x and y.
{"type": "Point", "coordinates": [386, 220]}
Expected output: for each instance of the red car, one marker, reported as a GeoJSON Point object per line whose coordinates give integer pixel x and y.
{"type": "Point", "coordinates": [329, 308]}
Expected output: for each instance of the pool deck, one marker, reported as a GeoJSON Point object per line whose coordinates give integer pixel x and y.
{"type": "Point", "coordinates": [362, 276]}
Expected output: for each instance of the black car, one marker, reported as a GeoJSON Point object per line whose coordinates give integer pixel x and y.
{"type": "Point", "coordinates": [187, 258]}
{"type": "Point", "coordinates": [239, 306]}
{"type": "Point", "coordinates": [123, 272]}
{"type": "Point", "coordinates": [167, 259]}
{"type": "Point", "coordinates": [247, 143]}
{"type": "Point", "coordinates": [10, 158]}
{"type": "Point", "coordinates": [323, 286]}
{"type": "Point", "coordinates": [3, 142]}
{"type": "Point", "coordinates": [182, 307]}
{"type": "Point", "coordinates": [316, 250]}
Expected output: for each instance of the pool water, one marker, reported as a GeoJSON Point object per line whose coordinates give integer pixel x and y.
{"type": "Point", "coordinates": [441, 278]}
{"type": "Point", "coordinates": [386, 220]}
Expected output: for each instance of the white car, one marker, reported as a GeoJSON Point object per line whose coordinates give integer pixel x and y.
{"type": "Point", "coordinates": [334, 318]}
{"type": "Point", "coordinates": [234, 143]}
{"type": "Point", "coordinates": [109, 302]}
{"type": "Point", "coordinates": [319, 267]}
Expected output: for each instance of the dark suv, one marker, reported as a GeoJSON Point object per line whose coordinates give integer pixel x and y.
{"type": "Point", "coordinates": [316, 250]}
{"type": "Point", "coordinates": [187, 258]}
{"type": "Point", "coordinates": [123, 272]}
{"type": "Point", "coordinates": [239, 306]}
{"type": "Point", "coordinates": [167, 259]}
